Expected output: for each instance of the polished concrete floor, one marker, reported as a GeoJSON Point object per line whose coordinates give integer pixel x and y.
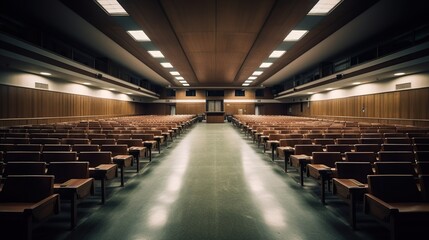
{"type": "Point", "coordinates": [211, 183]}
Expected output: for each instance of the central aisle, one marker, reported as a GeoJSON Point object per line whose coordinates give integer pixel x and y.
{"type": "Point", "coordinates": [212, 184]}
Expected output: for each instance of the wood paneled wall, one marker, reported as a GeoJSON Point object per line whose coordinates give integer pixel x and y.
{"type": "Point", "coordinates": [190, 108]}
{"type": "Point", "coordinates": [25, 103]}
{"type": "Point", "coordinates": [233, 108]}
{"type": "Point", "coordinates": [408, 107]}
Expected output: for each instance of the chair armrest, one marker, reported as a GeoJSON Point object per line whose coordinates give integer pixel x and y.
{"type": "Point", "coordinates": [378, 208]}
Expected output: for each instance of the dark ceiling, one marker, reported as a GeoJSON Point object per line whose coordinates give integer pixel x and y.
{"type": "Point", "coordinates": [220, 43]}
{"type": "Point", "coordinates": [217, 42]}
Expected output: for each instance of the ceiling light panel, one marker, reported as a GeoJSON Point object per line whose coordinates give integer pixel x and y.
{"type": "Point", "coordinates": [179, 78]}
{"type": "Point", "coordinates": [156, 54]}
{"type": "Point", "coordinates": [139, 35]}
{"type": "Point", "coordinates": [295, 35]}
{"type": "Point", "coordinates": [324, 7]}
{"type": "Point", "coordinates": [245, 84]}
{"type": "Point", "coordinates": [277, 53]}
{"type": "Point", "coordinates": [175, 73]}
{"type": "Point", "coordinates": [265, 65]}
{"type": "Point", "coordinates": [252, 77]}
{"type": "Point", "coordinates": [185, 84]}
{"type": "Point", "coordinates": [257, 73]}
{"type": "Point", "coordinates": [166, 65]}
{"type": "Point", "coordinates": [112, 7]}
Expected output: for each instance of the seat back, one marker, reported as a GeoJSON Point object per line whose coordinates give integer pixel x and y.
{"type": "Point", "coordinates": [291, 142]}
{"type": "Point", "coordinates": [59, 156]}
{"type": "Point", "coordinates": [423, 167]}
{"type": "Point", "coordinates": [342, 148]}
{"type": "Point", "coordinates": [121, 149]}
{"type": "Point", "coordinates": [103, 141]}
{"type": "Point", "coordinates": [421, 147]}
{"type": "Point", "coordinates": [64, 171]}
{"type": "Point", "coordinates": [394, 188]}
{"type": "Point", "coordinates": [420, 140]}
{"type": "Point", "coordinates": [56, 147]}
{"type": "Point", "coordinates": [45, 141]}
{"type": "Point", "coordinates": [73, 141]}
{"type": "Point", "coordinates": [396, 147]}
{"type": "Point", "coordinates": [24, 168]}
{"type": "Point", "coordinates": [396, 156]}
{"type": "Point", "coordinates": [22, 156]}
{"type": "Point", "coordinates": [375, 148]}
{"type": "Point", "coordinates": [398, 140]}
{"type": "Point", "coordinates": [85, 148]}
{"type": "Point", "coordinates": [348, 141]}
{"type": "Point", "coordinates": [27, 189]}
{"type": "Point", "coordinates": [355, 170]}
{"type": "Point", "coordinates": [395, 168]}
{"type": "Point", "coordinates": [28, 147]}
{"type": "Point", "coordinates": [307, 149]}
{"type": "Point", "coordinates": [371, 140]}
{"type": "Point", "coordinates": [422, 156]}
{"type": "Point", "coordinates": [96, 158]}
{"type": "Point", "coordinates": [424, 186]}
{"type": "Point", "coordinates": [361, 157]}
{"type": "Point", "coordinates": [324, 141]}
{"type": "Point", "coordinates": [131, 142]}
{"type": "Point", "coordinates": [327, 158]}
{"type": "Point", "coordinates": [12, 140]}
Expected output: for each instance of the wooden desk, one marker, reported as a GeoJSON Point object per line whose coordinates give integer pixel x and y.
{"type": "Point", "coordinates": [215, 117]}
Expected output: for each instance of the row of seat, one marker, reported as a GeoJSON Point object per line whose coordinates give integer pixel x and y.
{"type": "Point", "coordinates": [35, 183]}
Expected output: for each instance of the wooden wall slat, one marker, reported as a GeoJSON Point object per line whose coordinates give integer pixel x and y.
{"type": "Point", "coordinates": [403, 105]}
{"type": "Point", "coordinates": [17, 102]}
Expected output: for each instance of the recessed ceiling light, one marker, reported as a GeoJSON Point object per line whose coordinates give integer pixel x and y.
{"type": "Point", "coordinates": [356, 83]}
{"type": "Point", "coordinates": [248, 81]}
{"type": "Point", "coordinates": [265, 65]}
{"type": "Point", "coordinates": [257, 73]}
{"type": "Point", "coordinates": [186, 84]}
{"type": "Point", "coordinates": [128, 93]}
{"type": "Point", "coordinates": [156, 54]}
{"type": "Point", "coordinates": [179, 78]}
{"type": "Point", "coordinates": [329, 89]}
{"type": "Point", "coordinates": [45, 73]}
{"type": "Point", "coordinates": [324, 7]}
{"type": "Point", "coordinates": [183, 81]}
{"type": "Point", "coordinates": [276, 54]}
{"type": "Point", "coordinates": [139, 35]}
{"type": "Point", "coordinates": [399, 74]}
{"type": "Point", "coordinates": [295, 35]}
{"type": "Point", "coordinates": [166, 65]}
{"type": "Point", "coordinates": [252, 77]}
{"type": "Point", "coordinates": [112, 7]}
{"type": "Point", "coordinates": [86, 83]}
{"type": "Point", "coordinates": [245, 84]}
{"type": "Point", "coordinates": [175, 73]}
{"type": "Point", "coordinates": [111, 89]}
{"type": "Point", "coordinates": [311, 93]}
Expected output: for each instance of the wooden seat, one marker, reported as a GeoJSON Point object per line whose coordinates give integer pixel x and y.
{"type": "Point", "coordinates": [342, 148]}
{"type": "Point", "coordinates": [322, 167]}
{"type": "Point", "coordinates": [24, 168]}
{"type": "Point", "coordinates": [398, 140]}
{"type": "Point", "coordinates": [120, 157]}
{"type": "Point", "coordinates": [101, 168]}
{"type": "Point", "coordinates": [324, 141]}
{"type": "Point", "coordinates": [350, 184]}
{"type": "Point", "coordinates": [371, 140]}
{"type": "Point", "coordinates": [59, 156]}
{"type": "Point", "coordinates": [73, 183]}
{"type": "Point", "coordinates": [396, 156]}
{"type": "Point", "coordinates": [395, 168]}
{"type": "Point", "coordinates": [302, 156]}
{"type": "Point", "coordinates": [422, 167]}
{"type": "Point", "coordinates": [348, 141]}
{"type": "Point", "coordinates": [21, 156]}
{"type": "Point", "coordinates": [396, 147]}
{"type": "Point", "coordinates": [420, 140]}
{"type": "Point", "coordinates": [73, 141]}
{"type": "Point", "coordinates": [422, 156]}
{"type": "Point", "coordinates": [26, 202]}
{"type": "Point", "coordinates": [11, 140]}
{"type": "Point", "coordinates": [421, 147]}
{"type": "Point", "coordinates": [375, 148]}
{"type": "Point", "coordinates": [56, 147]}
{"type": "Point", "coordinates": [135, 147]}
{"type": "Point", "coordinates": [103, 141]}
{"type": "Point", "coordinates": [45, 141]}
{"type": "Point", "coordinates": [396, 202]}
{"type": "Point", "coordinates": [28, 147]}
{"type": "Point", "coordinates": [85, 148]}
{"type": "Point", "coordinates": [361, 157]}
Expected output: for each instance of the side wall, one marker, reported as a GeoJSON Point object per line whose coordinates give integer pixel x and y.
{"type": "Point", "coordinates": [20, 106]}
{"type": "Point", "coordinates": [408, 107]}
